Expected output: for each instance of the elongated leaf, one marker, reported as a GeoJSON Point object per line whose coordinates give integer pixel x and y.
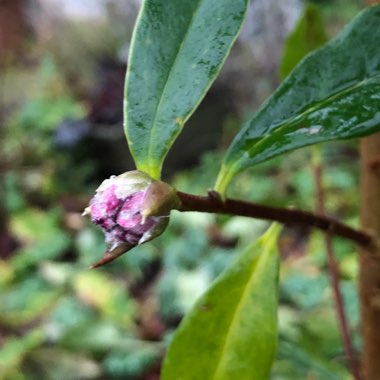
{"type": "Point", "coordinates": [231, 333]}
{"type": "Point", "coordinates": [308, 35]}
{"type": "Point", "coordinates": [334, 93]}
{"type": "Point", "coordinates": [178, 49]}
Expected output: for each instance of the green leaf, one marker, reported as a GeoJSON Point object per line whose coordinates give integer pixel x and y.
{"type": "Point", "coordinates": [178, 48]}
{"type": "Point", "coordinates": [308, 34]}
{"type": "Point", "coordinates": [231, 333]}
{"type": "Point", "coordinates": [56, 364]}
{"type": "Point", "coordinates": [332, 94]}
{"type": "Point", "coordinates": [42, 237]}
{"type": "Point", "coordinates": [293, 362]}
{"type": "Point", "coordinates": [25, 301]}
{"type": "Point", "coordinates": [106, 295]}
{"type": "Point", "coordinates": [14, 350]}
{"type": "Point", "coordinates": [133, 363]}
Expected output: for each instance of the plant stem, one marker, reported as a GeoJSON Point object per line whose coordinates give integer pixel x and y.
{"type": "Point", "coordinates": [333, 270]}
{"type": "Point", "coordinates": [369, 278]}
{"type": "Point", "coordinates": [214, 204]}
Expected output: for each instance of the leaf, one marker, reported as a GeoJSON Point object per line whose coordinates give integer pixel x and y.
{"type": "Point", "coordinates": [14, 350]}
{"type": "Point", "coordinates": [133, 363]}
{"type": "Point", "coordinates": [42, 237]}
{"type": "Point", "coordinates": [332, 94]}
{"type": "Point", "coordinates": [300, 364]}
{"type": "Point", "coordinates": [231, 332]}
{"type": "Point", "coordinates": [56, 364]}
{"type": "Point", "coordinates": [25, 301]}
{"type": "Point", "coordinates": [178, 48]}
{"type": "Point", "coordinates": [106, 295]}
{"type": "Point", "coordinates": [308, 34]}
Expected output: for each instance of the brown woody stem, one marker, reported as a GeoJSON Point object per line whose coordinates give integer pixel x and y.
{"type": "Point", "coordinates": [214, 204]}
{"type": "Point", "coordinates": [333, 270]}
{"type": "Point", "coordinates": [369, 274]}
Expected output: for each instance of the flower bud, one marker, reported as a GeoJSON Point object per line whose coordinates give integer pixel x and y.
{"type": "Point", "coordinates": [131, 209]}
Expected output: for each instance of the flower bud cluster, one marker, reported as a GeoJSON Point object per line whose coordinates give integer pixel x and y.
{"type": "Point", "coordinates": [131, 209]}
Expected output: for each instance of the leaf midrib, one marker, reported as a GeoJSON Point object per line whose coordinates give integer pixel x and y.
{"type": "Point", "coordinates": [167, 80]}
{"type": "Point", "coordinates": [307, 112]}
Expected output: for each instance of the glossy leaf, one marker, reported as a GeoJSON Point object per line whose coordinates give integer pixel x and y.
{"type": "Point", "coordinates": [308, 35]}
{"type": "Point", "coordinates": [334, 93]}
{"type": "Point", "coordinates": [177, 50]}
{"type": "Point", "coordinates": [231, 332]}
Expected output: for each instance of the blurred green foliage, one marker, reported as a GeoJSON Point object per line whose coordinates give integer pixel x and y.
{"type": "Point", "coordinates": [58, 320]}
{"type": "Point", "coordinates": [308, 34]}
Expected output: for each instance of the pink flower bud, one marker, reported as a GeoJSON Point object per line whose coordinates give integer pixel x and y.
{"type": "Point", "coordinates": [131, 209]}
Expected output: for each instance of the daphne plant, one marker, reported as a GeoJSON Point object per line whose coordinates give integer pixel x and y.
{"type": "Point", "coordinates": [177, 50]}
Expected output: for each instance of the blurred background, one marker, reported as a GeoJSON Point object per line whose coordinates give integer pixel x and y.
{"type": "Point", "coordinates": [62, 68]}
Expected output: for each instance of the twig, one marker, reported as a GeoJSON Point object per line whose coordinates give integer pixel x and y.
{"type": "Point", "coordinates": [333, 270]}
{"type": "Point", "coordinates": [214, 204]}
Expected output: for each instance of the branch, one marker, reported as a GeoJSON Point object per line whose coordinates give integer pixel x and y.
{"type": "Point", "coordinates": [214, 204]}
{"type": "Point", "coordinates": [333, 270]}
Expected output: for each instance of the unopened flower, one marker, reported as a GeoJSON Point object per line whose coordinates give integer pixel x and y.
{"type": "Point", "coordinates": [131, 209]}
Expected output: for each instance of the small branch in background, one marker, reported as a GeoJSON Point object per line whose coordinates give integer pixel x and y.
{"type": "Point", "coordinates": [333, 270]}
{"type": "Point", "coordinates": [214, 204]}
